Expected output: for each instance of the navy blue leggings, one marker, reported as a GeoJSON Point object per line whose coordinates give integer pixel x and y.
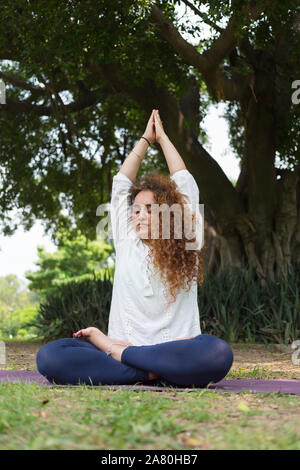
{"type": "Point", "coordinates": [189, 362]}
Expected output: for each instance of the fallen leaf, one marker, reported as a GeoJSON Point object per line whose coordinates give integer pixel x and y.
{"type": "Point", "coordinates": [243, 407]}
{"type": "Point", "coordinates": [41, 414]}
{"type": "Point", "coordinates": [191, 442]}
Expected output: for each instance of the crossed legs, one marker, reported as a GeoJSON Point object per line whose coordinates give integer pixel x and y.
{"type": "Point", "coordinates": [196, 361]}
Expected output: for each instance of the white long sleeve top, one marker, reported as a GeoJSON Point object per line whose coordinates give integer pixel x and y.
{"type": "Point", "coordinates": [139, 312]}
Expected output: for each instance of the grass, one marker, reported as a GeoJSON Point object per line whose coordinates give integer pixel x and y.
{"type": "Point", "coordinates": [257, 372]}
{"type": "Point", "coordinates": [33, 417]}
{"type": "Point", "coordinates": [84, 418]}
{"type": "Point", "coordinates": [21, 339]}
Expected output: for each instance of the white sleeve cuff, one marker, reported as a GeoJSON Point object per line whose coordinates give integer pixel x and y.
{"type": "Point", "coordinates": [120, 176]}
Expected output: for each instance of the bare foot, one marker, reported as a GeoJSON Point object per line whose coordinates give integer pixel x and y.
{"type": "Point", "coordinates": [152, 376]}
{"type": "Point", "coordinates": [116, 350]}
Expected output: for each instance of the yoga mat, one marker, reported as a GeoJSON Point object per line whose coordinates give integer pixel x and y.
{"type": "Point", "coordinates": [289, 386]}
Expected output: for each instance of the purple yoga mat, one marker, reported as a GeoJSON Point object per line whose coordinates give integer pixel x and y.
{"type": "Point", "coordinates": [232, 385]}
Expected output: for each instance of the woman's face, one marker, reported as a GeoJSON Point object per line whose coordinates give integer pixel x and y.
{"type": "Point", "coordinates": [141, 213]}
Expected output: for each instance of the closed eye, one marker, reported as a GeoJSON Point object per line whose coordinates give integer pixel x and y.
{"type": "Point", "coordinates": [137, 212]}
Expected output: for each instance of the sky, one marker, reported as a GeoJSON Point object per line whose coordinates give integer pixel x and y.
{"type": "Point", "coordinates": [18, 253]}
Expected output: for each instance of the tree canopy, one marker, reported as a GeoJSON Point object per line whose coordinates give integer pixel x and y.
{"type": "Point", "coordinates": [82, 78]}
{"type": "Point", "coordinates": [17, 304]}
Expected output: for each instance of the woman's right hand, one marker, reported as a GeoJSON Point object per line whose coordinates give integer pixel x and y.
{"type": "Point", "coordinates": [159, 130]}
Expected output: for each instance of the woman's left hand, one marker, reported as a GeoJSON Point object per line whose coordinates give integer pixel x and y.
{"type": "Point", "coordinates": [159, 130]}
{"type": "Point", "coordinates": [150, 129]}
{"type": "Point", "coordinates": [86, 333]}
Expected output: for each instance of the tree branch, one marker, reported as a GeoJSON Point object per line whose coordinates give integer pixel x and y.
{"type": "Point", "coordinates": [204, 16]}
{"type": "Point", "coordinates": [218, 84]}
{"type": "Point", "coordinates": [227, 40]}
{"type": "Point", "coordinates": [171, 34]}
{"type": "Point", "coordinates": [21, 83]}
{"type": "Point", "coordinates": [24, 107]}
{"type": "Point", "coordinates": [208, 62]}
{"type": "Point", "coordinates": [89, 99]}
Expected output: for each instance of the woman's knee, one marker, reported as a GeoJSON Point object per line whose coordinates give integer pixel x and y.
{"type": "Point", "coordinates": [47, 355]}
{"type": "Point", "coordinates": [42, 359]}
{"type": "Point", "coordinates": [218, 355]}
{"type": "Point", "coordinates": [225, 353]}
{"type": "Point", "coordinates": [222, 358]}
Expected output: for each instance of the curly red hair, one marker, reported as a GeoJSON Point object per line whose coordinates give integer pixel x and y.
{"type": "Point", "coordinates": [178, 267]}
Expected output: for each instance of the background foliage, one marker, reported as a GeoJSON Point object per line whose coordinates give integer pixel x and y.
{"type": "Point", "coordinates": [232, 306]}
{"type": "Point", "coordinates": [75, 256]}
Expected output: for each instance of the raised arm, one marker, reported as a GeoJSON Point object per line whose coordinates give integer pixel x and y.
{"type": "Point", "coordinates": [183, 179]}
{"type": "Point", "coordinates": [119, 208]}
{"type": "Point", "coordinates": [132, 163]}
{"type": "Point", "coordinates": [173, 159]}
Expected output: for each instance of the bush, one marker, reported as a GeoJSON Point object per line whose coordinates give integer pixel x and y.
{"type": "Point", "coordinates": [20, 320]}
{"type": "Point", "coordinates": [77, 305]}
{"type": "Point", "coordinates": [237, 308]}
{"type": "Point", "coordinates": [22, 333]}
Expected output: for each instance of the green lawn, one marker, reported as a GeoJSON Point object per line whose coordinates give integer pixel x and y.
{"type": "Point", "coordinates": [33, 417]}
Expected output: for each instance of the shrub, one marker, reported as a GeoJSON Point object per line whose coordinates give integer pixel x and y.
{"type": "Point", "coordinates": [236, 307]}
{"type": "Point", "coordinates": [77, 305]}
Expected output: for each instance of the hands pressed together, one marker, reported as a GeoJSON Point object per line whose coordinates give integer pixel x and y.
{"type": "Point", "coordinates": [154, 131]}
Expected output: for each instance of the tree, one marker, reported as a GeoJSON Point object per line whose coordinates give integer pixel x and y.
{"type": "Point", "coordinates": [74, 258]}
{"type": "Point", "coordinates": [98, 68]}
{"type": "Point", "coordinates": [16, 304]}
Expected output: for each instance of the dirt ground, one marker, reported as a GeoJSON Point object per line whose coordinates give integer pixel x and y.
{"type": "Point", "coordinates": [274, 361]}
{"type": "Point", "coordinates": [262, 361]}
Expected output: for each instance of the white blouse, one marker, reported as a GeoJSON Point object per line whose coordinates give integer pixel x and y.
{"type": "Point", "coordinates": [139, 312]}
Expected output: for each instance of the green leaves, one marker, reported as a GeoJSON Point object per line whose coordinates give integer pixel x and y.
{"type": "Point", "coordinates": [74, 306]}
{"type": "Point", "coordinates": [236, 308]}
{"type": "Point", "coordinates": [75, 257]}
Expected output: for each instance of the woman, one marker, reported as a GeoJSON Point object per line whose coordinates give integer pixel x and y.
{"type": "Point", "coordinates": [154, 330]}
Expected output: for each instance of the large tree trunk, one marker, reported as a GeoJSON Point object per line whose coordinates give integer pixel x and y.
{"type": "Point", "coordinates": [282, 236]}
